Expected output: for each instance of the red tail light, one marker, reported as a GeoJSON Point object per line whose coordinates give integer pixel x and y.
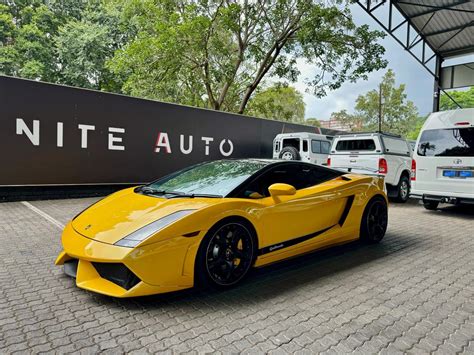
{"type": "Point", "coordinates": [328, 162]}
{"type": "Point", "coordinates": [383, 168]}
{"type": "Point", "coordinates": [465, 123]}
{"type": "Point", "coordinates": [413, 169]}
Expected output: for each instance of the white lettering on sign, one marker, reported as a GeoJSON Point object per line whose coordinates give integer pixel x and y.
{"type": "Point", "coordinates": [84, 129]}
{"type": "Point", "coordinates": [181, 144]}
{"type": "Point", "coordinates": [162, 141]}
{"type": "Point", "coordinates": [231, 147]}
{"type": "Point", "coordinates": [59, 134]}
{"type": "Point", "coordinates": [207, 140]}
{"type": "Point", "coordinates": [34, 136]}
{"type": "Point", "coordinates": [116, 139]}
{"type": "Point", "coordinates": [113, 139]}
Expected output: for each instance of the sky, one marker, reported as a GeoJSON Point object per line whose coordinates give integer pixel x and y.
{"type": "Point", "coordinates": [419, 82]}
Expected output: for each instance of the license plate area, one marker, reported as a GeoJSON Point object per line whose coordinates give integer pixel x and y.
{"type": "Point", "coordinates": [460, 174]}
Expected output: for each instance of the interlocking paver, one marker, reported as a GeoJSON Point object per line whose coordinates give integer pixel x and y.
{"type": "Point", "coordinates": [411, 293]}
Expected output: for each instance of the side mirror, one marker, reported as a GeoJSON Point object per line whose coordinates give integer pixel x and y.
{"type": "Point", "coordinates": [281, 190]}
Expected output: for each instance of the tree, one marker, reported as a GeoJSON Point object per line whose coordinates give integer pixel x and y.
{"type": "Point", "coordinates": [416, 128]}
{"type": "Point", "coordinates": [399, 115]}
{"type": "Point", "coordinates": [218, 53]}
{"type": "Point", "coordinates": [278, 102]}
{"type": "Point", "coordinates": [83, 47]}
{"type": "Point", "coordinates": [353, 121]}
{"type": "Point", "coordinates": [312, 122]}
{"type": "Point", "coordinates": [463, 98]}
{"type": "Point", "coordinates": [60, 41]}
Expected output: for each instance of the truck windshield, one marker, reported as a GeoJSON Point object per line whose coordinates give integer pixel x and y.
{"type": "Point", "coordinates": [454, 142]}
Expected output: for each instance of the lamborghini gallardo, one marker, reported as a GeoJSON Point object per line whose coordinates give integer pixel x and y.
{"type": "Point", "coordinates": [209, 224]}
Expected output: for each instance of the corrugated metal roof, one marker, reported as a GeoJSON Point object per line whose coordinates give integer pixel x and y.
{"type": "Point", "coordinates": [446, 25]}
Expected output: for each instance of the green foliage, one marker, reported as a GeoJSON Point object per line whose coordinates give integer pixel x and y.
{"type": "Point", "coordinates": [399, 115]}
{"type": "Point", "coordinates": [283, 103]}
{"type": "Point", "coordinates": [416, 128]}
{"type": "Point", "coordinates": [206, 53]}
{"type": "Point", "coordinates": [354, 121]}
{"type": "Point", "coordinates": [216, 53]}
{"type": "Point", "coordinates": [60, 41]}
{"type": "Point", "coordinates": [464, 98]}
{"type": "Point", "coordinates": [312, 122]}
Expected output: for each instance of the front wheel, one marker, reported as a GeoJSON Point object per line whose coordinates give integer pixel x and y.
{"type": "Point", "coordinates": [225, 255]}
{"type": "Point", "coordinates": [374, 221]}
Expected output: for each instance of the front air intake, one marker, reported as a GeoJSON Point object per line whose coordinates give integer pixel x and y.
{"type": "Point", "coordinates": [117, 273]}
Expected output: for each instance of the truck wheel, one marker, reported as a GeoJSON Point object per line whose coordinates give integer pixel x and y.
{"type": "Point", "coordinates": [403, 190]}
{"type": "Point", "coordinates": [431, 205]}
{"type": "Point", "coordinates": [289, 153]}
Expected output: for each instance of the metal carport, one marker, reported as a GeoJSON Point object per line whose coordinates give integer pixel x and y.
{"type": "Point", "coordinates": [431, 31]}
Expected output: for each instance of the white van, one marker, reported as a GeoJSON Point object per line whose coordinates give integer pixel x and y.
{"type": "Point", "coordinates": [443, 161]}
{"type": "Point", "coordinates": [385, 154]}
{"type": "Point", "coordinates": [309, 147]}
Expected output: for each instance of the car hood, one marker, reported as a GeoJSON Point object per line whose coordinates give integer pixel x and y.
{"type": "Point", "coordinates": [123, 212]}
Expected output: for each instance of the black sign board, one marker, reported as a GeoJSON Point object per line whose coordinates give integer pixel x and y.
{"type": "Point", "coordinates": [58, 135]}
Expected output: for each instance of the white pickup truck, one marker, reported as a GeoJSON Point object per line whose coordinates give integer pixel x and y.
{"type": "Point", "coordinates": [382, 153]}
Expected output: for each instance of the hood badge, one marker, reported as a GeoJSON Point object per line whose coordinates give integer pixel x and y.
{"type": "Point", "coordinates": [87, 227]}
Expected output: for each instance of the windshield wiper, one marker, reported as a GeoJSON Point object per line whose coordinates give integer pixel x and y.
{"type": "Point", "coordinates": [151, 191]}
{"type": "Point", "coordinates": [182, 194]}
{"type": "Point", "coordinates": [173, 194]}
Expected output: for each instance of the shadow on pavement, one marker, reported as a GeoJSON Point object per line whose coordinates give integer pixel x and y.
{"type": "Point", "coordinates": [273, 280]}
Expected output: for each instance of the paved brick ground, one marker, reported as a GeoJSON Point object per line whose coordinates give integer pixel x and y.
{"type": "Point", "coordinates": [412, 293]}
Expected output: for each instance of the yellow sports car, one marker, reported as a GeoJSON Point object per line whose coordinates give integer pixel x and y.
{"type": "Point", "coordinates": [209, 224]}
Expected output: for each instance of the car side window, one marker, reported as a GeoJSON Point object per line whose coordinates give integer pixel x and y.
{"type": "Point", "coordinates": [298, 175]}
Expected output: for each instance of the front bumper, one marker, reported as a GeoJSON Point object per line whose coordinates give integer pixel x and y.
{"type": "Point", "coordinates": [127, 272]}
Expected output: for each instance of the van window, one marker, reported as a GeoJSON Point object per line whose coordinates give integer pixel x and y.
{"type": "Point", "coordinates": [316, 146]}
{"type": "Point", "coordinates": [455, 142]}
{"type": "Point", "coordinates": [305, 145]}
{"type": "Point", "coordinates": [320, 147]}
{"type": "Point", "coordinates": [355, 145]}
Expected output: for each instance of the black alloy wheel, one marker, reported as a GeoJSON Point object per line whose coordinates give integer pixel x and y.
{"type": "Point", "coordinates": [374, 221]}
{"type": "Point", "coordinates": [226, 255]}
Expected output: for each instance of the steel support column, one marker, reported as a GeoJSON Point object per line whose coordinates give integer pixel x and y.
{"type": "Point", "coordinates": [437, 84]}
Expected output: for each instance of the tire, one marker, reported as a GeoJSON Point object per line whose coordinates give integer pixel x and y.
{"type": "Point", "coordinates": [225, 255]}
{"type": "Point", "coordinates": [403, 189]}
{"type": "Point", "coordinates": [374, 221]}
{"type": "Point", "coordinates": [431, 205]}
{"type": "Point", "coordinates": [289, 153]}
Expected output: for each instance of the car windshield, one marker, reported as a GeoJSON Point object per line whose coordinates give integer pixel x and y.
{"type": "Point", "coordinates": [217, 178]}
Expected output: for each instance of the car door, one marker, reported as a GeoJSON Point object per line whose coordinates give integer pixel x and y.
{"type": "Point", "coordinates": [293, 219]}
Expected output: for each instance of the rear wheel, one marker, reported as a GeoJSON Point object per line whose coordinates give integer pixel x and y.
{"type": "Point", "coordinates": [289, 153]}
{"type": "Point", "coordinates": [374, 221]}
{"type": "Point", "coordinates": [431, 205]}
{"type": "Point", "coordinates": [403, 189]}
{"type": "Point", "coordinates": [225, 255]}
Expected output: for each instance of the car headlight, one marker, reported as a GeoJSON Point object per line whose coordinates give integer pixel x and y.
{"type": "Point", "coordinates": [132, 240]}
